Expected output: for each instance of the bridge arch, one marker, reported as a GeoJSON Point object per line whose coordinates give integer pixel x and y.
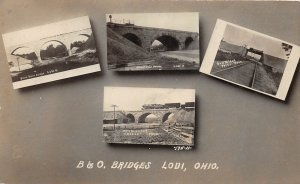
{"type": "Point", "coordinates": [133, 38]}
{"type": "Point", "coordinates": [65, 47]}
{"type": "Point", "coordinates": [131, 118]}
{"type": "Point", "coordinates": [166, 116]}
{"type": "Point", "coordinates": [78, 41]}
{"type": "Point", "coordinates": [12, 52]}
{"type": "Point", "coordinates": [87, 35]}
{"type": "Point", "coordinates": [171, 43]}
{"type": "Point", "coordinates": [28, 52]}
{"type": "Point", "coordinates": [188, 41]}
{"type": "Point", "coordinates": [142, 118]}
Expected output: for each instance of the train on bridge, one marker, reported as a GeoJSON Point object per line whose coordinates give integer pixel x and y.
{"type": "Point", "coordinates": [186, 105]}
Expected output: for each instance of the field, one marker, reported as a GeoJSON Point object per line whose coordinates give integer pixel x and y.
{"type": "Point", "coordinates": [144, 136]}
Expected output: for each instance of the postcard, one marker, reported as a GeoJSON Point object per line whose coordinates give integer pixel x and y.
{"type": "Point", "coordinates": [51, 52]}
{"type": "Point", "coordinates": [250, 59]}
{"type": "Point", "coordinates": [153, 41]}
{"type": "Point", "coordinates": [160, 116]}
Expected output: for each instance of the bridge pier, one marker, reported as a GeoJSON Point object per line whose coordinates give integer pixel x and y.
{"type": "Point", "coordinates": [38, 54]}
{"type": "Point", "coordinates": [68, 47]}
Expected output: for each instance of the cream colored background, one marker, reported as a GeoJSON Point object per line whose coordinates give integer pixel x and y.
{"type": "Point", "coordinates": [45, 130]}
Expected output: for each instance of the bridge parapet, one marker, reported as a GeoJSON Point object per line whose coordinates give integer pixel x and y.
{"type": "Point", "coordinates": [115, 25]}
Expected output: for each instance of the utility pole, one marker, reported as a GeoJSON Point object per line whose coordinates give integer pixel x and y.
{"type": "Point", "coordinates": [114, 106]}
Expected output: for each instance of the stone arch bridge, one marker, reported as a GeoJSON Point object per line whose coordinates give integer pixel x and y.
{"type": "Point", "coordinates": [145, 36]}
{"type": "Point", "coordinates": [140, 116]}
{"type": "Point", "coordinates": [65, 39]}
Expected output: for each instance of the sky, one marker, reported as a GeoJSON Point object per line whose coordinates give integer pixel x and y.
{"type": "Point", "coordinates": [131, 99]}
{"type": "Point", "coordinates": [44, 31]}
{"type": "Point", "coordinates": [241, 37]}
{"type": "Point", "coordinates": [176, 21]}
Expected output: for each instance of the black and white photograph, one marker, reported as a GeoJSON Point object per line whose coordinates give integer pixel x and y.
{"type": "Point", "coordinates": [51, 52]}
{"type": "Point", "coordinates": [250, 59]}
{"type": "Point", "coordinates": [153, 41]}
{"type": "Point", "coordinates": [160, 116]}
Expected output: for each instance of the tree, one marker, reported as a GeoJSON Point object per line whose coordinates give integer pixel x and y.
{"type": "Point", "coordinates": [51, 51]}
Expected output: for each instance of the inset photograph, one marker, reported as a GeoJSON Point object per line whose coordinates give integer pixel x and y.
{"type": "Point", "coordinates": [51, 52]}
{"type": "Point", "coordinates": [160, 116]}
{"type": "Point", "coordinates": [153, 41]}
{"type": "Point", "coordinates": [248, 58]}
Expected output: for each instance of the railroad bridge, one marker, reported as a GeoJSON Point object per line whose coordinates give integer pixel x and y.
{"type": "Point", "coordinates": [65, 39]}
{"type": "Point", "coordinates": [140, 116]}
{"type": "Point", "coordinates": [145, 36]}
{"type": "Point", "coordinates": [253, 53]}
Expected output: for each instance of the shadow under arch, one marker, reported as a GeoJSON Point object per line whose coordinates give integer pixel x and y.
{"type": "Point", "coordinates": [166, 116]}
{"type": "Point", "coordinates": [170, 42]}
{"type": "Point", "coordinates": [142, 118]}
{"type": "Point", "coordinates": [133, 38]}
{"type": "Point", "coordinates": [188, 41]}
{"type": "Point", "coordinates": [131, 118]}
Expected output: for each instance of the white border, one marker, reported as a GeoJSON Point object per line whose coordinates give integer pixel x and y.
{"type": "Point", "coordinates": [213, 47]}
{"type": "Point", "coordinates": [57, 76]}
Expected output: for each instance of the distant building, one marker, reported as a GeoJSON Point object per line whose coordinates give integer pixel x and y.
{"type": "Point", "coordinates": [111, 117]}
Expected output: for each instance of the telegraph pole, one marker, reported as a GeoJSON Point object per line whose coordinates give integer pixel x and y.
{"type": "Point", "coordinates": [114, 106]}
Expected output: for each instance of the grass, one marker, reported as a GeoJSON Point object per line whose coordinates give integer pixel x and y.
{"type": "Point", "coordinates": [264, 81]}
{"type": "Point", "coordinates": [156, 63]}
{"type": "Point", "coordinates": [121, 51]}
{"type": "Point", "coordinates": [171, 63]}
{"type": "Point", "coordinates": [147, 136]}
{"type": "Point", "coordinates": [276, 76]}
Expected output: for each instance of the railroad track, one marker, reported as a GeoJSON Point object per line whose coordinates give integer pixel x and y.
{"type": "Point", "coordinates": [244, 74]}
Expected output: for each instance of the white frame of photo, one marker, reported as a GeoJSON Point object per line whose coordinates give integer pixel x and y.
{"type": "Point", "coordinates": [39, 32]}
{"type": "Point", "coordinates": [213, 47]}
